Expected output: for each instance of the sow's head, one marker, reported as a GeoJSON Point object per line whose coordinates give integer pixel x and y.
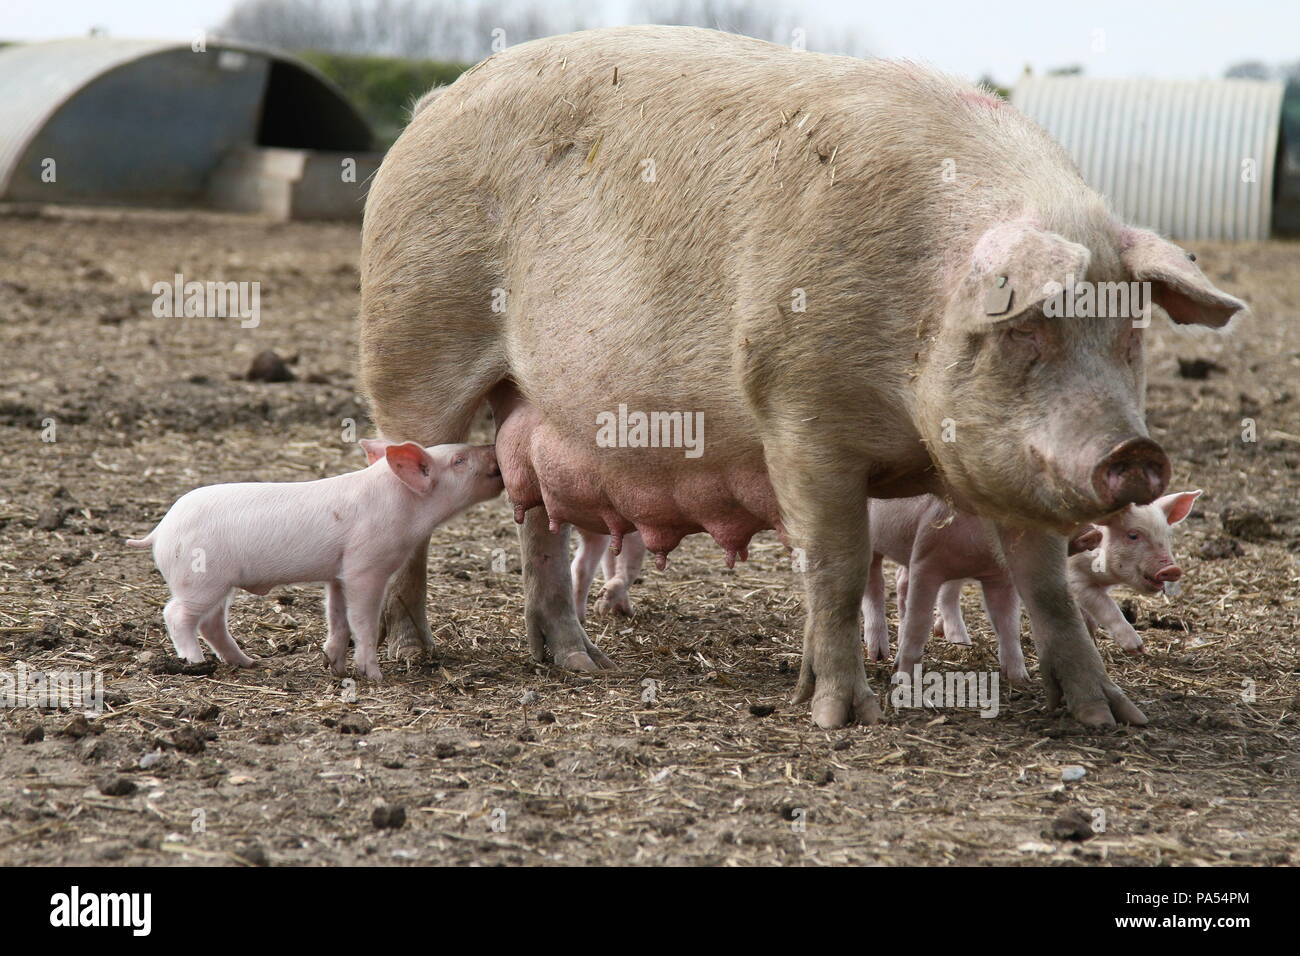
{"type": "Point", "coordinates": [1031, 394]}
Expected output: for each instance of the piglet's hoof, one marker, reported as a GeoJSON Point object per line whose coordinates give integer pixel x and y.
{"type": "Point", "coordinates": [614, 605]}
{"type": "Point", "coordinates": [1016, 676]}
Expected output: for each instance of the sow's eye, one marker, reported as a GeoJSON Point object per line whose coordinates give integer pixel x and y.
{"type": "Point", "coordinates": [458, 461]}
{"type": "Point", "coordinates": [1029, 339]}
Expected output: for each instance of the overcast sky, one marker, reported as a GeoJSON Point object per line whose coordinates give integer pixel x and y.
{"type": "Point", "coordinates": [1166, 38]}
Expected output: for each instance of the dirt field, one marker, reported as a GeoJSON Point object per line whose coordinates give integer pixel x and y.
{"type": "Point", "coordinates": [495, 759]}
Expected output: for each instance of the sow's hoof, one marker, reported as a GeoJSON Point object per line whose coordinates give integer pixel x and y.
{"type": "Point", "coordinates": [1095, 703]}
{"type": "Point", "coordinates": [834, 707]}
{"type": "Point", "coordinates": [405, 639]}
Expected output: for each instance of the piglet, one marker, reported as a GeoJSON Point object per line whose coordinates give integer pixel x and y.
{"type": "Point", "coordinates": [350, 532]}
{"type": "Point", "coordinates": [1136, 550]}
{"type": "Point", "coordinates": [620, 571]}
{"type": "Point", "coordinates": [937, 548]}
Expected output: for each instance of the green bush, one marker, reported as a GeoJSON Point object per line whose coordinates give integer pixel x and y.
{"type": "Point", "coordinates": [383, 88]}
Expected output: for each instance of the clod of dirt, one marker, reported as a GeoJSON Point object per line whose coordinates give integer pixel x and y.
{"type": "Point", "coordinates": [1247, 525]}
{"type": "Point", "coordinates": [252, 854]}
{"type": "Point", "coordinates": [202, 712]}
{"type": "Point", "coordinates": [34, 734]}
{"type": "Point", "coordinates": [762, 710]}
{"type": "Point", "coordinates": [188, 741]}
{"type": "Point", "coordinates": [53, 518]}
{"type": "Point", "coordinates": [844, 743]}
{"type": "Point", "coordinates": [115, 786]}
{"type": "Point", "coordinates": [269, 367]}
{"type": "Point", "coordinates": [354, 724]}
{"type": "Point", "coordinates": [545, 717]}
{"type": "Point", "coordinates": [1165, 623]}
{"type": "Point", "coordinates": [444, 750]}
{"type": "Point", "coordinates": [1129, 610]}
{"type": "Point", "coordinates": [174, 665]}
{"type": "Point", "coordinates": [77, 728]}
{"type": "Point", "coordinates": [269, 739]}
{"type": "Point", "coordinates": [112, 852]}
{"type": "Point", "coordinates": [1218, 549]}
{"type": "Point", "coordinates": [1073, 824]}
{"type": "Point", "coordinates": [1198, 369]}
{"type": "Point", "coordinates": [385, 817]}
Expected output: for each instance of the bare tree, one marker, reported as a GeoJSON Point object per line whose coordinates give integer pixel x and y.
{"type": "Point", "coordinates": [1249, 70]}
{"type": "Point", "coordinates": [468, 30]}
{"type": "Point", "coordinates": [772, 22]}
{"type": "Point", "coordinates": [433, 29]}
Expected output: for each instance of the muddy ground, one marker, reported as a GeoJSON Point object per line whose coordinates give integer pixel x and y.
{"type": "Point", "coordinates": [494, 759]}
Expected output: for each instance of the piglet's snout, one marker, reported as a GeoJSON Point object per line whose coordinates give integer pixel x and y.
{"type": "Point", "coordinates": [1134, 472]}
{"type": "Point", "coordinates": [486, 462]}
{"type": "Point", "coordinates": [1169, 575]}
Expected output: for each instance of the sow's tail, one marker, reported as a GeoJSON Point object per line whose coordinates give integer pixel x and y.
{"type": "Point", "coordinates": [145, 542]}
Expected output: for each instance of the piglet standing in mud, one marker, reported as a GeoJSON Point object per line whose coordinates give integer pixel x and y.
{"type": "Point", "coordinates": [937, 548]}
{"type": "Point", "coordinates": [351, 532]}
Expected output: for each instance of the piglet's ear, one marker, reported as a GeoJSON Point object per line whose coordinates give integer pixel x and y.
{"type": "Point", "coordinates": [1177, 284]}
{"type": "Point", "coordinates": [1177, 506]}
{"type": "Point", "coordinates": [1088, 539]}
{"type": "Point", "coordinates": [412, 465]}
{"type": "Point", "coordinates": [374, 449]}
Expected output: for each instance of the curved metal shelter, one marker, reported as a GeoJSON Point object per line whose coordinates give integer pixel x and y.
{"type": "Point", "coordinates": [1190, 159]}
{"type": "Point", "coordinates": [149, 121]}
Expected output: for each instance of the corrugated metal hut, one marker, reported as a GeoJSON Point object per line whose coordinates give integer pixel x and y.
{"type": "Point", "coordinates": [1191, 159]}
{"type": "Point", "coordinates": [149, 122]}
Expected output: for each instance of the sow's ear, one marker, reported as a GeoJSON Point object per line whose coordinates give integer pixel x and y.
{"type": "Point", "coordinates": [412, 465]}
{"type": "Point", "coordinates": [1015, 267]}
{"type": "Point", "coordinates": [1177, 284]}
{"type": "Point", "coordinates": [374, 448]}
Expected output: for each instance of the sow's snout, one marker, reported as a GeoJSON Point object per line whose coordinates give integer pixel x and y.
{"type": "Point", "coordinates": [1133, 472]}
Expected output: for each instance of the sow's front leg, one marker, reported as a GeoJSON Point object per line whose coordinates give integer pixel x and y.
{"type": "Point", "coordinates": [825, 515]}
{"type": "Point", "coordinates": [1068, 660]}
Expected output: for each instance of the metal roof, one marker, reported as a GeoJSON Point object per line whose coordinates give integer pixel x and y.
{"type": "Point", "coordinates": [39, 79]}
{"type": "Point", "coordinates": [1172, 155]}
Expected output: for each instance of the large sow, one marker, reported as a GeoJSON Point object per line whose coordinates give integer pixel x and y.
{"type": "Point", "coordinates": [838, 266]}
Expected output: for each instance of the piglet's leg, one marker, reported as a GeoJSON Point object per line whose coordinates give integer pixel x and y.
{"type": "Point", "coordinates": [620, 571]}
{"type": "Point", "coordinates": [949, 623]}
{"type": "Point", "coordinates": [1003, 606]}
{"type": "Point", "coordinates": [336, 643]}
{"type": "Point", "coordinates": [363, 596]}
{"type": "Point", "coordinates": [216, 632]}
{"type": "Point", "coordinates": [591, 547]}
{"type": "Point", "coordinates": [922, 590]}
{"type": "Point", "coordinates": [875, 626]}
{"type": "Point", "coordinates": [182, 623]}
{"type": "Point", "coordinates": [1099, 606]}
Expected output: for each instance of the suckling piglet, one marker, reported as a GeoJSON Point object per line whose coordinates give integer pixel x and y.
{"type": "Point", "coordinates": [350, 532]}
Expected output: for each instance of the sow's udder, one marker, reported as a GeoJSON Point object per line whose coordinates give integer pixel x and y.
{"type": "Point", "coordinates": [659, 492]}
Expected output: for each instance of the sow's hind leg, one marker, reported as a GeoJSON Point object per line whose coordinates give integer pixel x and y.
{"type": "Point", "coordinates": [429, 356]}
